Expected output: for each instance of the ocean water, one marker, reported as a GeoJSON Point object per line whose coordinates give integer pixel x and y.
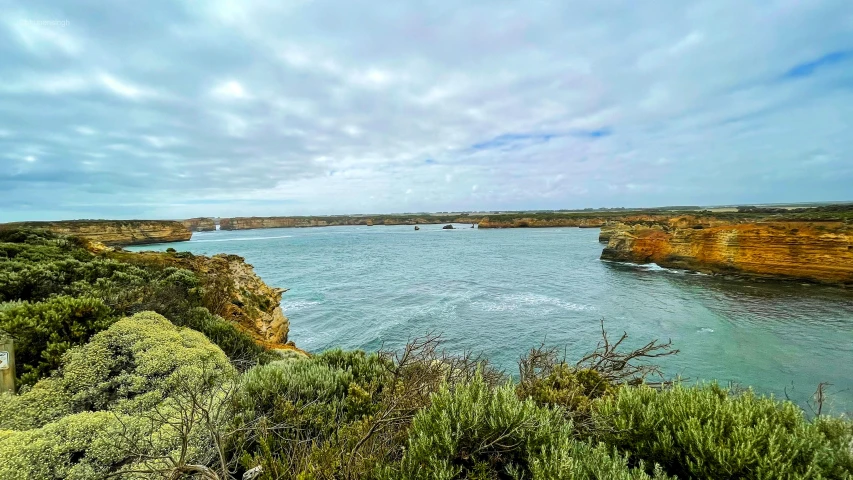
{"type": "Point", "coordinates": [501, 292]}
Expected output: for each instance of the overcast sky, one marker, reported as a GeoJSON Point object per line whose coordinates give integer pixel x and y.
{"type": "Point", "coordinates": [173, 109]}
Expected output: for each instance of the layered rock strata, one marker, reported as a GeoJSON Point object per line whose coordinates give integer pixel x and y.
{"type": "Point", "coordinates": [232, 290]}
{"type": "Point", "coordinates": [202, 224]}
{"type": "Point", "coordinates": [250, 223]}
{"type": "Point", "coordinates": [814, 251]}
{"type": "Point", "coordinates": [115, 232]}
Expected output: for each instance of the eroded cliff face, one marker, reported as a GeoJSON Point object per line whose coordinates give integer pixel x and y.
{"type": "Point", "coordinates": [250, 223]}
{"type": "Point", "coordinates": [814, 251]}
{"type": "Point", "coordinates": [232, 290]}
{"type": "Point", "coordinates": [529, 222]}
{"type": "Point", "coordinates": [202, 224]}
{"type": "Point", "coordinates": [660, 222]}
{"type": "Point", "coordinates": [251, 303]}
{"type": "Point", "coordinates": [115, 232]}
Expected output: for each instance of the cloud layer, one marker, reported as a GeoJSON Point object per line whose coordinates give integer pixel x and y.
{"type": "Point", "coordinates": [163, 109]}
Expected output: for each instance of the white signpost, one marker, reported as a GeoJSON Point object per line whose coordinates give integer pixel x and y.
{"type": "Point", "coordinates": [7, 365]}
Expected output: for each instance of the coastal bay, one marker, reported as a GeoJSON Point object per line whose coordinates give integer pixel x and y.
{"type": "Point", "coordinates": [502, 291]}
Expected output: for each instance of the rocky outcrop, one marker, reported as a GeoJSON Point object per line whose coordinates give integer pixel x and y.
{"type": "Point", "coordinates": [115, 232]}
{"type": "Point", "coordinates": [255, 304]}
{"type": "Point", "coordinates": [201, 224]}
{"type": "Point", "coordinates": [815, 251]}
{"type": "Point", "coordinates": [232, 290]}
{"type": "Point", "coordinates": [533, 222]}
{"type": "Point", "coordinates": [447, 227]}
{"type": "Point", "coordinates": [250, 223]}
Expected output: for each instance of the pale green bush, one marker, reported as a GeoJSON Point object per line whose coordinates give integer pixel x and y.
{"type": "Point", "coordinates": [479, 433]}
{"type": "Point", "coordinates": [568, 459]}
{"type": "Point", "coordinates": [127, 367]}
{"type": "Point", "coordinates": [80, 446]}
{"type": "Point", "coordinates": [124, 393]}
{"type": "Point", "coordinates": [707, 432]}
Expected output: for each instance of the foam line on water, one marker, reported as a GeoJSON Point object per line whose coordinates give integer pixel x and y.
{"type": "Point", "coordinates": [242, 239]}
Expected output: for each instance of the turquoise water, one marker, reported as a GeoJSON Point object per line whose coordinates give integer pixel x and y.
{"type": "Point", "coordinates": [500, 292]}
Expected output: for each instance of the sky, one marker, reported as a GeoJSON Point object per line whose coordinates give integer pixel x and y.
{"type": "Point", "coordinates": [177, 109]}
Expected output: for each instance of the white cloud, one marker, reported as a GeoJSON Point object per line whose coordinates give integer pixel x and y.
{"type": "Point", "coordinates": [120, 87]}
{"type": "Point", "coordinates": [231, 89]}
{"type": "Point", "coordinates": [546, 105]}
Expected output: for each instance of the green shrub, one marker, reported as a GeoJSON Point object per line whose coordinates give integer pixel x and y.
{"type": "Point", "coordinates": [44, 331]}
{"type": "Point", "coordinates": [707, 432]}
{"type": "Point", "coordinates": [569, 459]}
{"type": "Point", "coordinates": [37, 266]}
{"type": "Point", "coordinates": [80, 446]}
{"type": "Point", "coordinates": [567, 387]}
{"type": "Point", "coordinates": [478, 433]}
{"type": "Point", "coordinates": [302, 415]}
{"type": "Point", "coordinates": [128, 367]}
{"type": "Point", "coordinates": [122, 401]}
{"type": "Point", "coordinates": [240, 348]}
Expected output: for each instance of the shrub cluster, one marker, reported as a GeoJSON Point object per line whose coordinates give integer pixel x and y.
{"type": "Point", "coordinates": [711, 432]}
{"type": "Point", "coordinates": [55, 294]}
{"type": "Point", "coordinates": [125, 384]}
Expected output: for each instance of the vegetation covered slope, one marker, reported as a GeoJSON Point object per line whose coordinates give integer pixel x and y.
{"type": "Point", "coordinates": [55, 294]}
{"type": "Point", "coordinates": [152, 396]}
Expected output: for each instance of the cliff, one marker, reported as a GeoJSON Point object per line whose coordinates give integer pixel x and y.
{"type": "Point", "coordinates": [115, 232]}
{"type": "Point", "coordinates": [232, 290]}
{"type": "Point", "coordinates": [815, 251]}
{"type": "Point", "coordinates": [663, 222]}
{"type": "Point", "coordinates": [250, 223]}
{"type": "Point", "coordinates": [533, 222]}
{"type": "Point", "coordinates": [203, 224]}
{"type": "Point", "coordinates": [251, 303]}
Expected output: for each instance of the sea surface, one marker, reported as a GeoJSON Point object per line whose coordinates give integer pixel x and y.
{"type": "Point", "coordinates": [501, 292]}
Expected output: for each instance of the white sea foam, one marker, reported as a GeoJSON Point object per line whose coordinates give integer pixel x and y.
{"type": "Point", "coordinates": [705, 330]}
{"type": "Point", "coordinates": [297, 305]}
{"type": "Point", "coordinates": [527, 300]}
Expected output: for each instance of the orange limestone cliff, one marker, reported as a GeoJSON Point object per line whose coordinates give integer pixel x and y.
{"type": "Point", "coordinates": [115, 232]}
{"type": "Point", "coordinates": [202, 224]}
{"type": "Point", "coordinates": [815, 251]}
{"type": "Point", "coordinates": [251, 303]}
{"type": "Point", "coordinates": [232, 290]}
{"type": "Point", "coordinates": [531, 222]}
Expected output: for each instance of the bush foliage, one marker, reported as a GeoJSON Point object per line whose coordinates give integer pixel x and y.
{"type": "Point", "coordinates": [710, 432]}
{"type": "Point", "coordinates": [55, 294]}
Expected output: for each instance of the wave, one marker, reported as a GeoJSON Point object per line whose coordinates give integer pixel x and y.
{"type": "Point", "coordinates": [297, 305]}
{"type": "Point", "coordinates": [654, 267]}
{"type": "Point", "coordinates": [705, 330]}
{"type": "Point", "coordinates": [525, 300]}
